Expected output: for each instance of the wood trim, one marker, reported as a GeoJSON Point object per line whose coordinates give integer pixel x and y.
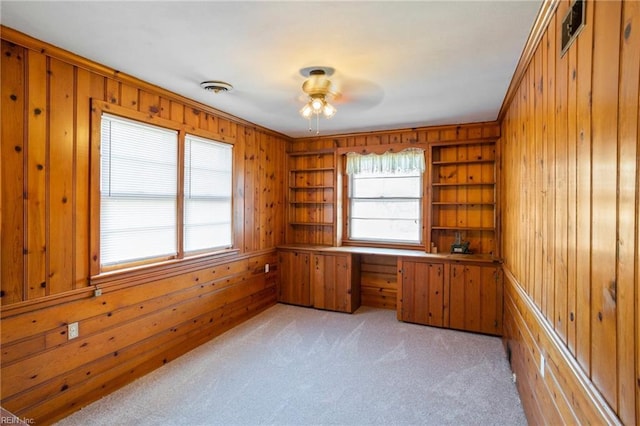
{"type": "Point", "coordinates": [545, 14]}
{"type": "Point", "coordinates": [381, 149]}
{"type": "Point", "coordinates": [559, 353]}
{"type": "Point", "coordinates": [130, 278]}
{"type": "Point", "coordinates": [14, 36]}
{"type": "Point", "coordinates": [398, 132]}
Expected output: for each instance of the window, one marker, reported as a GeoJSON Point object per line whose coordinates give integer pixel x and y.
{"type": "Point", "coordinates": [207, 194]}
{"type": "Point", "coordinates": [385, 197]}
{"type": "Point", "coordinates": [138, 193]}
{"type": "Point", "coordinates": [143, 216]}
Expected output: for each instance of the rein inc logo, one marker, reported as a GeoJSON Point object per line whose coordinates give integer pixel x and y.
{"type": "Point", "coordinates": [7, 418]}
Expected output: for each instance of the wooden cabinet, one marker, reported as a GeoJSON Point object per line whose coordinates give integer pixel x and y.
{"type": "Point", "coordinates": [335, 282]}
{"type": "Point", "coordinates": [463, 196]}
{"type": "Point", "coordinates": [422, 293]}
{"type": "Point", "coordinates": [311, 198]}
{"type": "Point", "coordinates": [453, 294]}
{"type": "Point", "coordinates": [475, 298]}
{"type": "Point", "coordinates": [322, 280]}
{"type": "Point", "coordinates": [295, 281]}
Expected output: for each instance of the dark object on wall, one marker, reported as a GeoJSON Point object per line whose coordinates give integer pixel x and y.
{"type": "Point", "coordinates": [572, 23]}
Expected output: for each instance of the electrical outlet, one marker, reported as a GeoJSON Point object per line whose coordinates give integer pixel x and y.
{"type": "Point", "coordinates": [513, 377]}
{"type": "Point", "coordinates": [73, 330]}
{"type": "Point", "coordinates": [542, 361]}
{"type": "Point", "coordinates": [266, 268]}
{"type": "Point", "coordinates": [97, 292]}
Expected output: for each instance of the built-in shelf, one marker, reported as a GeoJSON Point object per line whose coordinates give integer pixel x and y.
{"type": "Point", "coordinates": [473, 163]}
{"type": "Point", "coordinates": [312, 191]}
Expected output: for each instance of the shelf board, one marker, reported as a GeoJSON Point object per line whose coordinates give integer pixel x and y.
{"type": "Point", "coordinates": [311, 202]}
{"type": "Point", "coordinates": [466, 203]}
{"type": "Point", "coordinates": [310, 153]}
{"type": "Point", "coordinates": [314, 169]}
{"type": "Point", "coordinates": [311, 187]}
{"type": "Point", "coordinates": [311, 223]}
{"type": "Point", "coordinates": [461, 228]}
{"type": "Point", "coordinates": [454, 162]}
{"type": "Point", "coordinates": [464, 184]}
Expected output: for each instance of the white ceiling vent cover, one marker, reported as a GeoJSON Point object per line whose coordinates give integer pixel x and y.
{"type": "Point", "coordinates": [216, 86]}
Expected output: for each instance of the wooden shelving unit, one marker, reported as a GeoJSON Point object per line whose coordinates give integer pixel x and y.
{"type": "Point", "coordinates": [311, 197]}
{"type": "Point", "coordinates": [462, 195]}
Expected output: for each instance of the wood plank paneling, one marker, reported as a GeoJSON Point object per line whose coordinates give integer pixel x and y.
{"type": "Point", "coordinates": [36, 171]}
{"type": "Point", "coordinates": [628, 175]}
{"type": "Point", "coordinates": [145, 317]}
{"type": "Point", "coordinates": [60, 177]}
{"type": "Point", "coordinates": [604, 101]}
{"type": "Point", "coordinates": [378, 281]}
{"type": "Point", "coordinates": [585, 144]}
{"type": "Point", "coordinates": [13, 152]}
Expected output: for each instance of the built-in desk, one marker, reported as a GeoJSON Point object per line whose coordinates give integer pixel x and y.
{"type": "Point", "coordinates": [461, 291]}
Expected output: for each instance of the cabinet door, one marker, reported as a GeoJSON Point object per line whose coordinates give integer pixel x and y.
{"type": "Point", "coordinates": [475, 298]}
{"type": "Point", "coordinates": [331, 282]}
{"type": "Point", "coordinates": [295, 284]}
{"type": "Point", "coordinates": [422, 293]}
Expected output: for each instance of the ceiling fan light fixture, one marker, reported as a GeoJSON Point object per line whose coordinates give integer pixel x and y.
{"type": "Point", "coordinates": [318, 88]}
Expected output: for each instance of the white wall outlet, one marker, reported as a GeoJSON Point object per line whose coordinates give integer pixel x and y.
{"type": "Point", "coordinates": [73, 330]}
{"type": "Point", "coordinates": [514, 378]}
{"type": "Point", "coordinates": [542, 362]}
{"type": "Point", "coordinates": [97, 292]}
{"type": "Point", "coordinates": [266, 268]}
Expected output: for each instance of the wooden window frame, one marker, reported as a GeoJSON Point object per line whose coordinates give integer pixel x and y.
{"type": "Point", "coordinates": [344, 197]}
{"type": "Point", "coordinates": [96, 269]}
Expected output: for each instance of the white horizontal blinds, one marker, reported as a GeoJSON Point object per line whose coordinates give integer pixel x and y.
{"type": "Point", "coordinates": [207, 194]}
{"type": "Point", "coordinates": [138, 191]}
{"type": "Point", "coordinates": [385, 196]}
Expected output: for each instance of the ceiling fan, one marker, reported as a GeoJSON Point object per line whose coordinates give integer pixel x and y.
{"type": "Point", "coordinates": [324, 88]}
{"type": "Point", "coordinates": [319, 91]}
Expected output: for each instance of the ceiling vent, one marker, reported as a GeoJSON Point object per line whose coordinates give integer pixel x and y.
{"type": "Point", "coordinates": [216, 86]}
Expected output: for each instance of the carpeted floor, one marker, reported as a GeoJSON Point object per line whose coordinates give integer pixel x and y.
{"type": "Point", "coordinates": [301, 366]}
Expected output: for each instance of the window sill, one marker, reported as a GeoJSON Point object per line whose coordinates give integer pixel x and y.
{"type": "Point", "coordinates": [402, 246]}
{"type": "Point", "coordinates": [163, 267]}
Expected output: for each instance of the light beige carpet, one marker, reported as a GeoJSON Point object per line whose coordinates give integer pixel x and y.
{"type": "Point", "coordinates": [301, 366]}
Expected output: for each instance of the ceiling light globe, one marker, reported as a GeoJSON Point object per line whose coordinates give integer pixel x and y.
{"type": "Point", "coordinates": [306, 111]}
{"type": "Point", "coordinates": [317, 105]}
{"type": "Point", "coordinates": [329, 110]}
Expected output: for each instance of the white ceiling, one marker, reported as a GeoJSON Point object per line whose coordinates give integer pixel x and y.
{"type": "Point", "coordinates": [399, 63]}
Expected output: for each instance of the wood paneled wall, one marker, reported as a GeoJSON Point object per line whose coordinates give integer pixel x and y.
{"type": "Point", "coordinates": [570, 143]}
{"type": "Point", "coordinates": [379, 281]}
{"type": "Point", "coordinates": [142, 319]}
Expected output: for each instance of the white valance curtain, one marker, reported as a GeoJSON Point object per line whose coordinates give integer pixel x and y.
{"type": "Point", "coordinates": [408, 160]}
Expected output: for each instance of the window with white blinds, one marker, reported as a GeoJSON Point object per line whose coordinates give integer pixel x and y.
{"type": "Point", "coordinates": [386, 207]}
{"type": "Point", "coordinates": [138, 191]}
{"type": "Point", "coordinates": [385, 196]}
{"type": "Point", "coordinates": [207, 194]}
